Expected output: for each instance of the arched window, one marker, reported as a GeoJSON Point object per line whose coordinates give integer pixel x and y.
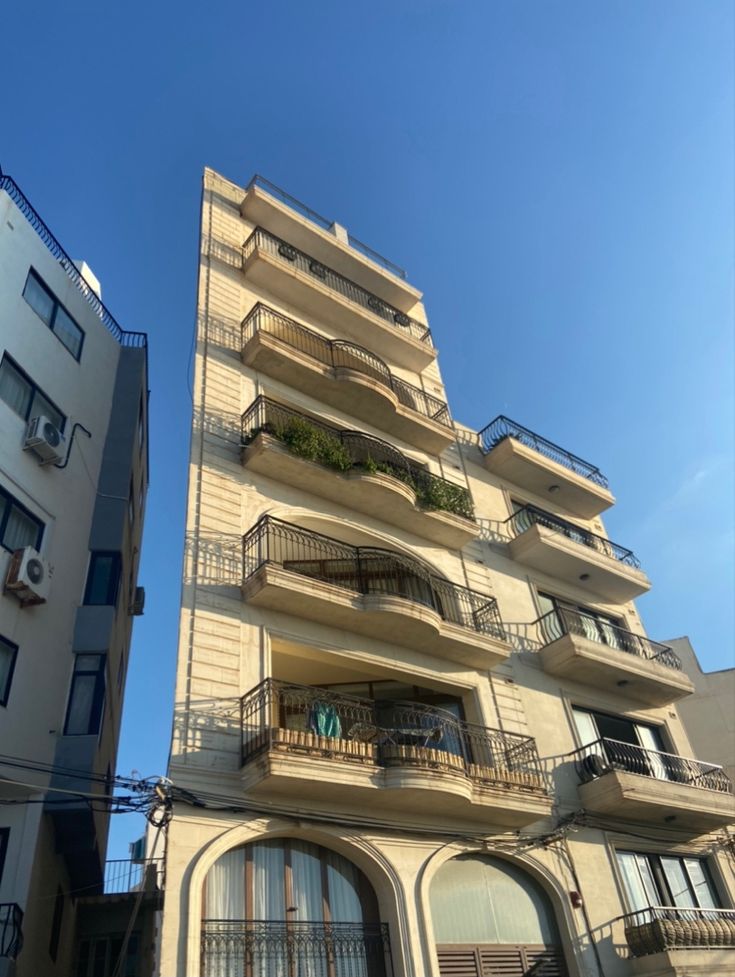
{"type": "Point", "coordinates": [288, 908]}
{"type": "Point", "coordinates": [490, 916]}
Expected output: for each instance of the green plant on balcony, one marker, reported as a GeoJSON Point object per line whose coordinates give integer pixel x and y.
{"type": "Point", "coordinates": [434, 493]}
{"type": "Point", "coordinates": [308, 441]}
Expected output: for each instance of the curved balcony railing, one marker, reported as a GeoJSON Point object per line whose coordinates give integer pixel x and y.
{"type": "Point", "coordinates": [337, 354]}
{"type": "Point", "coordinates": [565, 620]}
{"type": "Point", "coordinates": [660, 928]}
{"type": "Point", "coordinates": [270, 947]}
{"type": "Point", "coordinates": [11, 930]}
{"type": "Point", "coordinates": [366, 570]}
{"type": "Point", "coordinates": [502, 428]}
{"type": "Point", "coordinates": [325, 224]}
{"type": "Point", "coordinates": [345, 450]}
{"type": "Point", "coordinates": [300, 718]}
{"type": "Point", "coordinates": [530, 515]}
{"type": "Point", "coordinates": [287, 253]}
{"type": "Point", "coordinates": [606, 755]}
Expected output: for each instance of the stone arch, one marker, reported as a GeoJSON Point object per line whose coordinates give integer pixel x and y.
{"type": "Point", "coordinates": [554, 888]}
{"type": "Point", "coordinates": [377, 868]}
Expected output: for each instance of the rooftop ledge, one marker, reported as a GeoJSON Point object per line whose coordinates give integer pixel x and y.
{"type": "Point", "coordinates": [267, 205]}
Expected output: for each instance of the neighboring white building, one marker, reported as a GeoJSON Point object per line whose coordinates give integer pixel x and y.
{"type": "Point", "coordinates": [419, 729]}
{"type": "Point", "coordinates": [709, 713]}
{"type": "Point", "coordinates": [72, 501]}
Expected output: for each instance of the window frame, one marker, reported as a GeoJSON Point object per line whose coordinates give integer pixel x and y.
{"type": "Point", "coordinates": [35, 390]}
{"type": "Point", "coordinates": [4, 844]}
{"type": "Point", "coordinates": [660, 881]}
{"type": "Point", "coordinates": [99, 695]}
{"type": "Point", "coordinates": [32, 273]}
{"type": "Point", "coordinates": [40, 526]}
{"type": "Point", "coordinates": [13, 647]}
{"type": "Point", "coordinates": [113, 587]}
{"type": "Point", "coordinates": [56, 923]}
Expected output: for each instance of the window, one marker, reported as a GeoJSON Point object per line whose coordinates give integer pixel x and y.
{"type": "Point", "coordinates": [8, 652]}
{"type": "Point", "coordinates": [18, 528]}
{"type": "Point", "coordinates": [98, 956]}
{"type": "Point", "coordinates": [87, 696]}
{"type": "Point", "coordinates": [22, 395]}
{"type": "Point", "coordinates": [4, 839]}
{"type": "Point", "coordinates": [103, 578]}
{"type": "Point", "coordinates": [53, 943]}
{"type": "Point", "coordinates": [666, 880]}
{"type": "Point", "coordinates": [45, 304]}
{"type": "Point", "coordinates": [627, 745]}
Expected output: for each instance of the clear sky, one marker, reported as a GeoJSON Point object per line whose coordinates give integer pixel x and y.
{"type": "Point", "coordinates": [556, 176]}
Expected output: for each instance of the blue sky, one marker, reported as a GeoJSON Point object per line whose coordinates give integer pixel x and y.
{"type": "Point", "coordinates": [556, 177]}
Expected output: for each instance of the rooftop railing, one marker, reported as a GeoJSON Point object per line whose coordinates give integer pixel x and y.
{"type": "Point", "coordinates": [352, 450]}
{"type": "Point", "coordinates": [305, 719]}
{"type": "Point", "coordinates": [530, 515]}
{"type": "Point", "coordinates": [287, 253]}
{"type": "Point", "coordinates": [339, 354]}
{"type": "Point", "coordinates": [503, 427]}
{"type": "Point", "coordinates": [366, 570]}
{"type": "Point", "coordinates": [324, 223]}
{"type": "Point", "coordinates": [565, 620]}
{"type": "Point", "coordinates": [270, 947]}
{"type": "Point", "coordinates": [133, 339]}
{"type": "Point", "coordinates": [605, 755]}
{"type": "Point", "coordinates": [660, 928]}
{"type": "Point", "coordinates": [128, 875]}
{"type": "Point", "coordinates": [11, 930]}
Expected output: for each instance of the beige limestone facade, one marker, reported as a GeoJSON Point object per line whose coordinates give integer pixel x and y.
{"type": "Point", "coordinates": [419, 729]}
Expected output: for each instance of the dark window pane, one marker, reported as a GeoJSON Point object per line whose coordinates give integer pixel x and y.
{"type": "Point", "coordinates": [42, 406]}
{"type": "Point", "coordinates": [53, 946]}
{"type": "Point", "coordinates": [103, 579]}
{"type": "Point", "coordinates": [39, 299]}
{"type": "Point", "coordinates": [68, 332]}
{"type": "Point", "coordinates": [8, 652]}
{"type": "Point", "coordinates": [18, 527]}
{"type": "Point", "coordinates": [87, 696]}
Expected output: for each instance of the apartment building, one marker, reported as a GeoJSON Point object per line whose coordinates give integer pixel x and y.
{"type": "Point", "coordinates": [73, 483]}
{"type": "Point", "coordinates": [419, 729]}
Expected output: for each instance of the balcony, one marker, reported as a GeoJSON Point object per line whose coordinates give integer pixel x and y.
{"type": "Point", "coordinates": [268, 947]}
{"type": "Point", "coordinates": [627, 781]}
{"type": "Point", "coordinates": [370, 591]}
{"type": "Point", "coordinates": [282, 269]}
{"type": "Point", "coordinates": [525, 459]}
{"type": "Point", "coordinates": [345, 376]}
{"type": "Point", "coordinates": [11, 930]}
{"type": "Point", "coordinates": [268, 206]}
{"type": "Point", "coordinates": [659, 929]}
{"type": "Point", "coordinates": [585, 649]}
{"type": "Point", "coordinates": [568, 552]}
{"type": "Point", "coordinates": [129, 875]}
{"type": "Point", "coordinates": [308, 742]}
{"type": "Point", "coordinates": [353, 469]}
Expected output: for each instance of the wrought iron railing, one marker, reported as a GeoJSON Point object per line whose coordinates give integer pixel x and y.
{"type": "Point", "coordinates": [530, 515]}
{"type": "Point", "coordinates": [660, 928]}
{"type": "Point", "coordinates": [265, 948]}
{"type": "Point", "coordinates": [502, 428]}
{"type": "Point", "coordinates": [284, 251]}
{"type": "Point", "coordinates": [278, 715]}
{"type": "Point", "coordinates": [128, 875]}
{"type": "Point", "coordinates": [324, 223]}
{"type": "Point", "coordinates": [345, 450]}
{"type": "Point", "coordinates": [366, 570]}
{"type": "Point", "coordinates": [11, 930]}
{"type": "Point", "coordinates": [339, 354]}
{"type": "Point", "coordinates": [125, 338]}
{"type": "Point", "coordinates": [605, 755]}
{"type": "Point", "coordinates": [567, 620]}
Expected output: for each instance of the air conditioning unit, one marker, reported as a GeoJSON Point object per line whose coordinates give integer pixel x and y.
{"type": "Point", "coordinates": [138, 604]}
{"type": "Point", "coordinates": [29, 577]}
{"type": "Point", "coordinates": [45, 439]}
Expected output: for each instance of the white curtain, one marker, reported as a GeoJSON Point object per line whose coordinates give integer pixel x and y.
{"type": "Point", "coordinates": [226, 886]}
{"type": "Point", "coordinates": [650, 742]}
{"type": "Point", "coordinates": [14, 390]}
{"type": "Point", "coordinates": [477, 900]}
{"type": "Point", "coordinates": [20, 530]}
{"type": "Point", "coordinates": [638, 881]}
{"type": "Point", "coordinates": [269, 897]}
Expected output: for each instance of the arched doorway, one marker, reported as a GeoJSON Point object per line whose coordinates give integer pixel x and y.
{"type": "Point", "coordinates": [491, 918]}
{"type": "Point", "coordinates": [288, 908]}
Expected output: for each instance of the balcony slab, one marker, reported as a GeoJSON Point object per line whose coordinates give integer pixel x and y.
{"type": "Point", "coordinates": [555, 554]}
{"type": "Point", "coordinates": [702, 962]}
{"type": "Point", "coordinates": [633, 797]}
{"type": "Point", "coordinates": [529, 469]}
{"type": "Point", "coordinates": [357, 394]}
{"type": "Point", "coordinates": [259, 207]}
{"type": "Point", "coordinates": [378, 495]}
{"type": "Point", "coordinates": [605, 667]}
{"type": "Point", "coordinates": [384, 617]}
{"type": "Point", "coordinates": [351, 320]}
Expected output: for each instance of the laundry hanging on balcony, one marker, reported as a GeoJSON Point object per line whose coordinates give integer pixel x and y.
{"type": "Point", "coordinates": [324, 721]}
